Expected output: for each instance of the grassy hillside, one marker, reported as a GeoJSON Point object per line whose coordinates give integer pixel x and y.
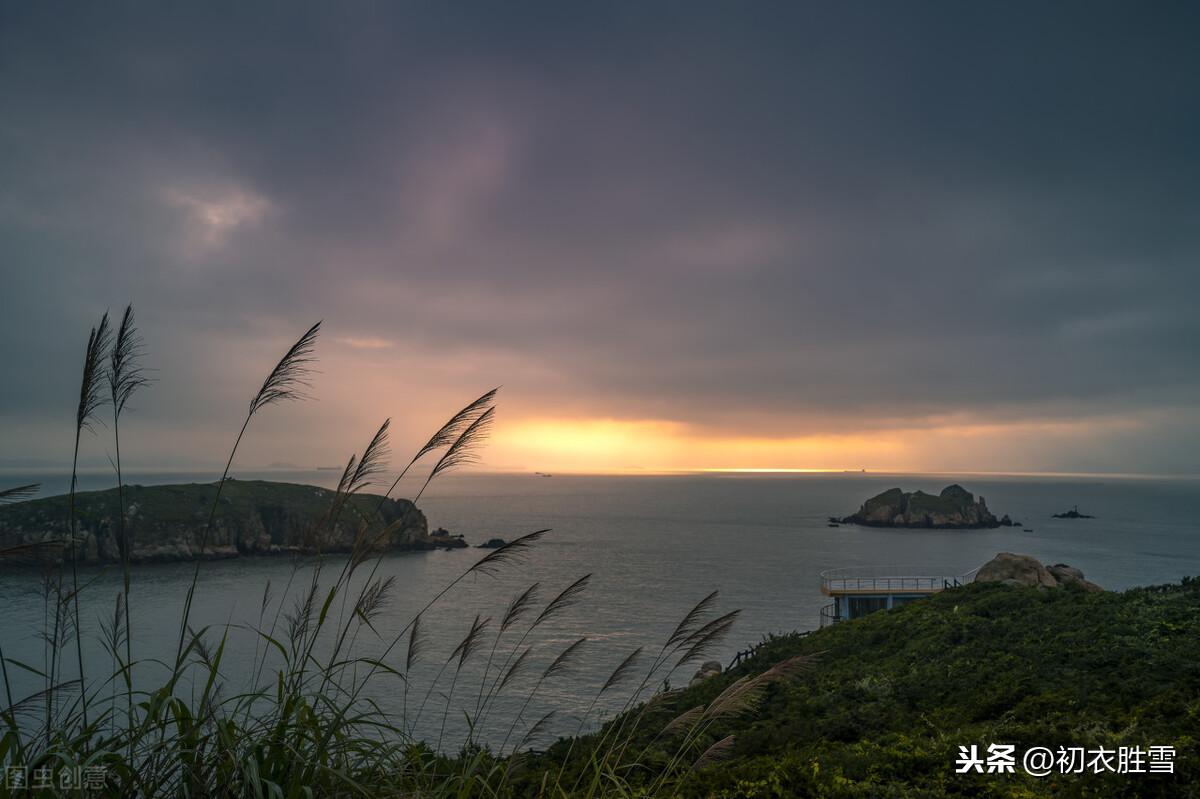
{"type": "Point", "coordinates": [894, 695]}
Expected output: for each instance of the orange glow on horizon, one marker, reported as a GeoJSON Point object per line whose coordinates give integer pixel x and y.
{"type": "Point", "coordinates": [610, 445]}
{"type": "Point", "coordinates": [602, 445]}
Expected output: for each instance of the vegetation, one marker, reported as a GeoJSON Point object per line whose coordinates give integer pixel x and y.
{"type": "Point", "coordinates": [872, 708]}
{"type": "Point", "coordinates": [894, 694]}
{"type": "Point", "coordinates": [299, 724]}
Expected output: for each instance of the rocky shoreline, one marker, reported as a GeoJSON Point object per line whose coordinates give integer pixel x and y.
{"type": "Point", "coordinates": [166, 523]}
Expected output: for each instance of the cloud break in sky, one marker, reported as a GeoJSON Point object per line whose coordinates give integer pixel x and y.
{"type": "Point", "coordinates": [920, 236]}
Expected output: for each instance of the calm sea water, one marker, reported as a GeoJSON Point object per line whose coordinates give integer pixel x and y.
{"type": "Point", "coordinates": [654, 545]}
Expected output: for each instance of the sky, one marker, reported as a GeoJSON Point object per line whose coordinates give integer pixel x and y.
{"type": "Point", "coordinates": [892, 236]}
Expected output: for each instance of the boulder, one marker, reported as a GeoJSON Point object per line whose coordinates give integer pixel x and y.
{"type": "Point", "coordinates": [710, 668]}
{"type": "Point", "coordinates": [1069, 575]}
{"type": "Point", "coordinates": [492, 543]}
{"type": "Point", "coordinates": [1013, 569]}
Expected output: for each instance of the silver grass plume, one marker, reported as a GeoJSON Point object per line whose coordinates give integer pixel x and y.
{"type": "Point", "coordinates": [416, 645]}
{"type": "Point", "coordinates": [286, 381]}
{"type": "Point", "coordinates": [520, 605]}
{"type": "Point", "coordinates": [373, 600]}
{"type": "Point", "coordinates": [702, 641]}
{"type": "Point", "coordinates": [707, 628]}
{"type": "Point", "coordinates": [536, 730]}
{"type": "Point", "coordinates": [688, 623]}
{"type": "Point", "coordinates": [266, 597]}
{"type": "Point", "coordinates": [683, 723]}
{"type": "Point", "coordinates": [91, 398]}
{"type": "Point", "coordinates": [289, 379]}
{"type": "Point", "coordinates": [465, 448]}
{"type": "Point", "coordinates": [125, 376]}
{"type": "Point", "coordinates": [793, 666]}
{"type": "Point", "coordinates": [568, 597]}
{"type": "Point", "coordinates": [33, 552]}
{"type": "Point", "coordinates": [470, 643]}
{"type": "Point", "coordinates": [447, 433]}
{"type": "Point", "coordinates": [512, 552]}
{"type": "Point", "coordinates": [343, 484]}
{"type": "Point", "coordinates": [516, 668]}
{"type": "Point", "coordinates": [125, 373]}
{"type": "Point", "coordinates": [373, 460]}
{"type": "Point", "coordinates": [18, 493]}
{"type": "Point", "coordinates": [746, 694]}
{"type": "Point", "coordinates": [715, 753]}
{"type": "Point", "coordinates": [452, 429]}
{"type": "Point", "coordinates": [565, 659]}
{"type": "Point", "coordinates": [357, 475]}
{"type": "Point", "coordinates": [622, 671]}
{"type": "Point", "coordinates": [741, 697]}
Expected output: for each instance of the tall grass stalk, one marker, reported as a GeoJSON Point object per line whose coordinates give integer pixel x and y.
{"type": "Point", "coordinates": [125, 376]}
{"type": "Point", "coordinates": [288, 381]}
{"type": "Point", "coordinates": [462, 433]}
{"type": "Point", "coordinates": [91, 399]}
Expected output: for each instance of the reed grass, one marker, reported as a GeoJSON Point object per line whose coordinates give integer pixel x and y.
{"type": "Point", "coordinates": [298, 725]}
{"type": "Point", "coordinates": [125, 376]}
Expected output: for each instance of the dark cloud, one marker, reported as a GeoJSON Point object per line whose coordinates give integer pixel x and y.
{"type": "Point", "coordinates": [778, 217]}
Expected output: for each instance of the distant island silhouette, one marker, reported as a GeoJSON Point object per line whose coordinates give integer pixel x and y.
{"type": "Point", "coordinates": [953, 508]}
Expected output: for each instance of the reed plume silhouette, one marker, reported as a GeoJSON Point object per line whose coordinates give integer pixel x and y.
{"type": "Point", "coordinates": [287, 382]}
{"type": "Point", "coordinates": [91, 399]}
{"type": "Point", "coordinates": [125, 376]}
{"type": "Point", "coordinates": [307, 728]}
{"type": "Point", "coordinates": [18, 493]}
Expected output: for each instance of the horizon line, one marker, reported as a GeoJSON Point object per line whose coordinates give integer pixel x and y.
{"type": "Point", "coordinates": [650, 472]}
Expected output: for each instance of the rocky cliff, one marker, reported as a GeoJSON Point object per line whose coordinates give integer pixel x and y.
{"type": "Point", "coordinates": [166, 522]}
{"type": "Point", "coordinates": [954, 508]}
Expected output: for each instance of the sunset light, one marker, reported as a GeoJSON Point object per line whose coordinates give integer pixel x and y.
{"type": "Point", "coordinates": [599, 399]}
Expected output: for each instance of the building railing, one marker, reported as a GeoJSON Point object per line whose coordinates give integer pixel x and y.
{"type": "Point", "coordinates": [829, 614]}
{"type": "Point", "coordinates": [889, 579]}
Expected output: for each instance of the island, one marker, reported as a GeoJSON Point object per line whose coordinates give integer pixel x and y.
{"type": "Point", "coordinates": [254, 517]}
{"type": "Point", "coordinates": [954, 508]}
{"type": "Point", "coordinates": [1073, 513]}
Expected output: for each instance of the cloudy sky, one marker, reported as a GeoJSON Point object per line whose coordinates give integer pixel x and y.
{"type": "Point", "coordinates": [902, 236]}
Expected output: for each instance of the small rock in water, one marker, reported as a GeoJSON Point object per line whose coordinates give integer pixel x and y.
{"type": "Point", "coordinates": [492, 543]}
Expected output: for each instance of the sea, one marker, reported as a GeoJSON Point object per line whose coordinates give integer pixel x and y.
{"type": "Point", "coordinates": [653, 545]}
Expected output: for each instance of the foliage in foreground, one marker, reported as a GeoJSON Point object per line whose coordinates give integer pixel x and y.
{"type": "Point", "coordinates": [300, 723]}
{"type": "Point", "coordinates": [895, 694]}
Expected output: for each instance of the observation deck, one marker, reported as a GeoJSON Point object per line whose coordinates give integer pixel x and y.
{"type": "Point", "coordinates": [859, 590]}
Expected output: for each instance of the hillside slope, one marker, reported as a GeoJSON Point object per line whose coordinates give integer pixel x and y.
{"type": "Point", "coordinates": [895, 694]}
